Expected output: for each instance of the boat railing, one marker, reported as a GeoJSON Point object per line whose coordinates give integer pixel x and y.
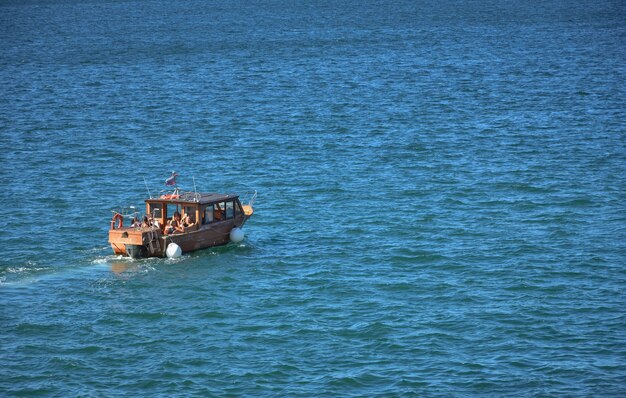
{"type": "Point", "coordinates": [178, 194]}
{"type": "Point", "coordinates": [252, 198]}
{"type": "Point", "coordinates": [126, 212]}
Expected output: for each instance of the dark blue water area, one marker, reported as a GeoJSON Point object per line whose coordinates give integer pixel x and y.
{"type": "Point", "coordinates": [441, 197]}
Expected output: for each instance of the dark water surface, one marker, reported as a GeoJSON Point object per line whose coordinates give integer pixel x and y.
{"type": "Point", "coordinates": [441, 205]}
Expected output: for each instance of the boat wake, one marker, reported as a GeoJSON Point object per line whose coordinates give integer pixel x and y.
{"type": "Point", "coordinates": [93, 264]}
{"type": "Point", "coordinates": [28, 271]}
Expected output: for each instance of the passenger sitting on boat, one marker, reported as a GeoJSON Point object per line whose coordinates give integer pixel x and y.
{"type": "Point", "coordinates": [187, 222]}
{"type": "Point", "coordinates": [135, 223]}
{"type": "Point", "coordinates": [219, 213]}
{"type": "Point", "coordinates": [146, 222]}
{"type": "Point", "coordinates": [177, 224]}
{"type": "Point", "coordinates": [169, 229]}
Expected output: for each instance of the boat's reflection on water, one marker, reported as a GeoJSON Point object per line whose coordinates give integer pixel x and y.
{"type": "Point", "coordinates": [124, 269]}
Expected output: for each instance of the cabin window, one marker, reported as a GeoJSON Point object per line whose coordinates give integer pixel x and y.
{"type": "Point", "coordinates": [230, 210]}
{"type": "Point", "coordinates": [238, 209]}
{"type": "Point", "coordinates": [191, 211]}
{"type": "Point", "coordinates": [155, 210]}
{"type": "Point", "coordinates": [208, 214]}
{"type": "Point", "coordinates": [171, 209]}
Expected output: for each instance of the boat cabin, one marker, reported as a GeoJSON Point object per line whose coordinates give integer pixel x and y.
{"type": "Point", "coordinates": [203, 209]}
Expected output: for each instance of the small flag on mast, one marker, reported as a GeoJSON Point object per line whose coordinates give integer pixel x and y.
{"type": "Point", "coordinates": [172, 180]}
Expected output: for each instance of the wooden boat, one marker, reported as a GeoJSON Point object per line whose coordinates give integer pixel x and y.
{"type": "Point", "coordinates": [216, 220]}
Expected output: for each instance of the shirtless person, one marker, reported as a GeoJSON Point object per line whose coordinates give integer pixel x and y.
{"type": "Point", "coordinates": [177, 224]}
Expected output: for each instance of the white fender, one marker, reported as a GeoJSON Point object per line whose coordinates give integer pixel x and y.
{"type": "Point", "coordinates": [236, 235]}
{"type": "Point", "coordinates": [173, 251]}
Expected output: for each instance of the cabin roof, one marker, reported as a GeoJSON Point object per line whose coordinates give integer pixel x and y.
{"type": "Point", "coordinates": [190, 197]}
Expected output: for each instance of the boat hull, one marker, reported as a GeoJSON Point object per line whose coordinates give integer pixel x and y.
{"type": "Point", "coordinates": [150, 242]}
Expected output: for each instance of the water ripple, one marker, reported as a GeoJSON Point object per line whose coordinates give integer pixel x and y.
{"type": "Point", "coordinates": [440, 211]}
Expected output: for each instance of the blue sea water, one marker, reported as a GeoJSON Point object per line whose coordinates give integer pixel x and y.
{"type": "Point", "coordinates": [441, 197]}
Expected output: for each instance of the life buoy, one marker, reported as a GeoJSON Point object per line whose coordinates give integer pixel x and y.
{"type": "Point", "coordinates": [120, 221]}
{"type": "Point", "coordinates": [170, 196]}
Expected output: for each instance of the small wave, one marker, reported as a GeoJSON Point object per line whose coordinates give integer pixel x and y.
{"type": "Point", "coordinates": [108, 259]}
{"type": "Point", "coordinates": [18, 270]}
{"type": "Point", "coordinates": [578, 202]}
{"type": "Point", "coordinates": [150, 316]}
{"type": "Point", "coordinates": [95, 249]}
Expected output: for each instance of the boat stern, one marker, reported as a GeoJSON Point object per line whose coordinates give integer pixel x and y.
{"type": "Point", "coordinates": [136, 242]}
